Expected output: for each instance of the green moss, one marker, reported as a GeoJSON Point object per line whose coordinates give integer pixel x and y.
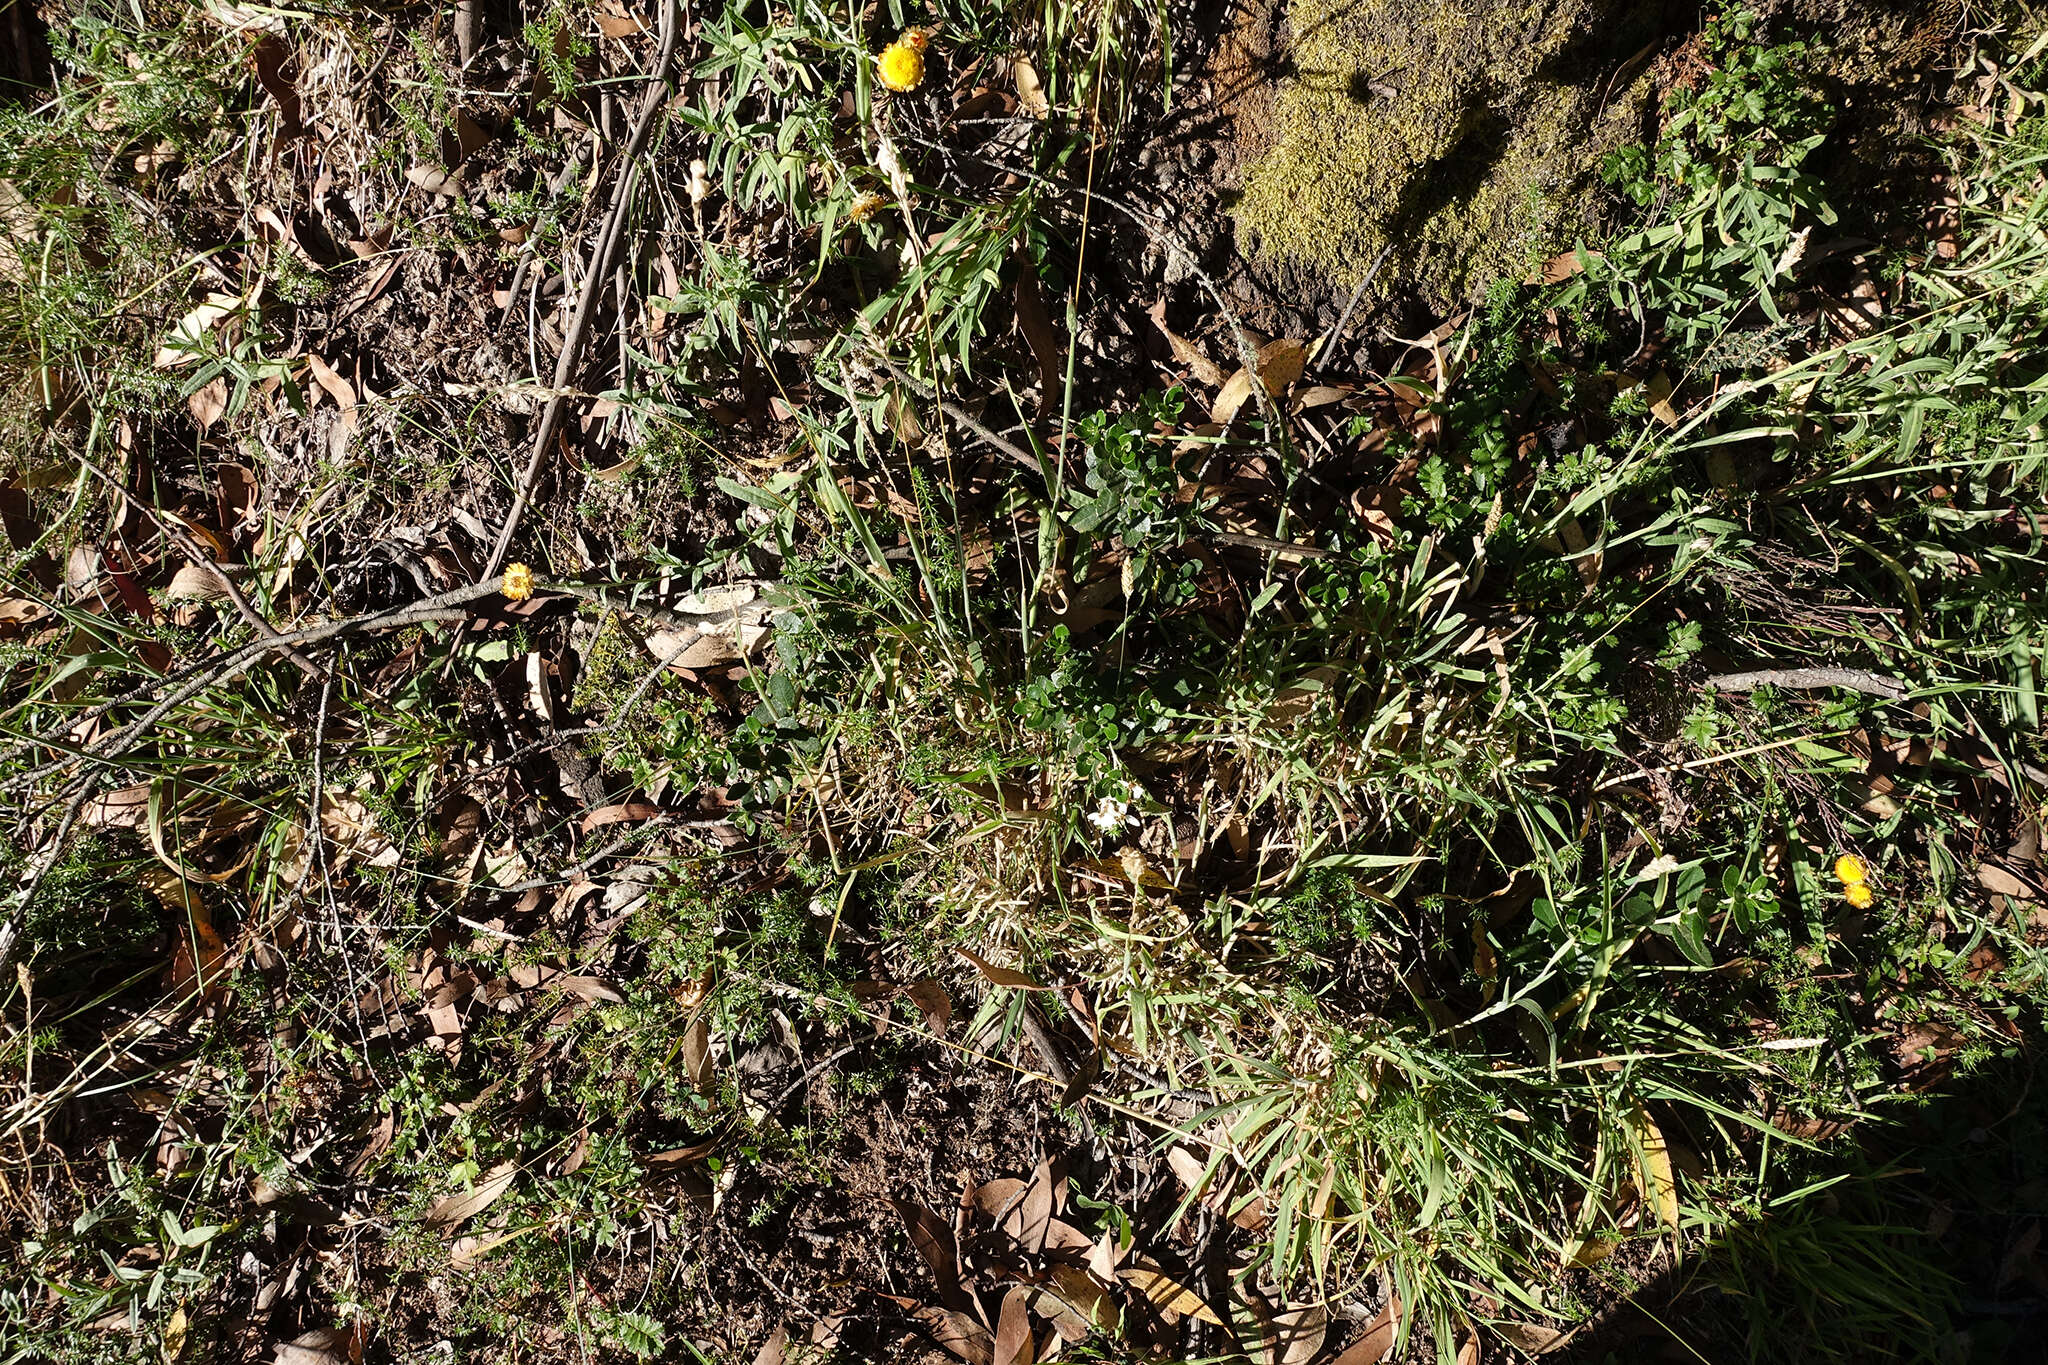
{"type": "Point", "coordinates": [1464, 136]}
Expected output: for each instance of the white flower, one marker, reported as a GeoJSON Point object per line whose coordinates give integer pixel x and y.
{"type": "Point", "coordinates": [1110, 814]}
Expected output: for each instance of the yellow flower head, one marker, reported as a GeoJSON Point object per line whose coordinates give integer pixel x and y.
{"type": "Point", "coordinates": [1859, 895]}
{"type": "Point", "coordinates": [866, 206]}
{"type": "Point", "coordinates": [901, 65]}
{"type": "Point", "coordinates": [517, 585]}
{"type": "Point", "coordinates": [919, 38]}
{"type": "Point", "coordinates": [1850, 871]}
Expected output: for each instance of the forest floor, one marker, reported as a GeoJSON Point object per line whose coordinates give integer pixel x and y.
{"type": "Point", "coordinates": [733, 682]}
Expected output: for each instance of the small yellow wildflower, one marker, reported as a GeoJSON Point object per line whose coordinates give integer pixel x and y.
{"type": "Point", "coordinates": [866, 206]}
{"type": "Point", "coordinates": [1859, 895]}
{"type": "Point", "coordinates": [919, 38]}
{"type": "Point", "coordinates": [1850, 871]}
{"type": "Point", "coordinates": [517, 585]}
{"type": "Point", "coordinates": [901, 65]}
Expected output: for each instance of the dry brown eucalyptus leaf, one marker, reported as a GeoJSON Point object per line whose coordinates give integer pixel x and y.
{"type": "Point", "coordinates": [434, 180]}
{"type": "Point", "coordinates": [452, 1211]}
{"type": "Point", "coordinates": [329, 379]}
{"type": "Point", "coordinates": [208, 403]}
{"type": "Point", "coordinates": [958, 1333]}
{"type": "Point", "coordinates": [1377, 1340]}
{"type": "Point", "coordinates": [697, 1061]}
{"type": "Point", "coordinates": [1531, 1337]}
{"type": "Point", "coordinates": [998, 976]}
{"type": "Point", "coordinates": [1014, 1345]}
{"type": "Point", "coordinates": [933, 1238]}
{"type": "Point", "coordinates": [1167, 1294]}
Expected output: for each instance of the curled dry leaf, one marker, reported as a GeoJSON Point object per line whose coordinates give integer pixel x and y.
{"type": "Point", "coordinates": [127, 808]}
{"type": "Point", "coordinates": [326, 1346]}
{"type": "Point", "coordinates": [708, 648]}
{"type": "Point", "coordinates": [825, 1332]}
{"type": "Point", "coordinates": [1214, 1189]}
{"type": "Point", "coordinates": [208, 403]}
{"type": "Point", "coordinates": [176, 1332]}
{"type": "Point", "coordinates": [682, 1156]}
{"type": "Point", "coordinates": [245, 18]}
{"type": "Point", "coordinates": [1229, 398]}
{"type": "Point", "coordinates": [1187, 353]}
{"type": "Point", "coordinates": [198, 953]}
{"type": "Point", "coordinates": [350, 825]}
{"type": "Point", "coordinates": [1089, 1305]}
{"type": "Point", "coordinates": [20, 611]}
{"type": "Point", "coordinates": [620, 25]}
{"type": "Point", "coordinates": [2000, 882]}
{"type": "Point", "coordinates": [434, 180]}
{"type": "Point", "coordinates": [1583, 1253]}
{"type": "Point", "coordinates": [470, 136]}
{"type": "Point", "coordinates": [1278, 364]}
{"type": "Point", "coordinates": [1030, 90]}
{"type": "Point", "coordinates": [274, 61]}
{"type": "Point", "coordinates": [1023, 1210]}
{"type": "Point", "coordinates": [589, 989]}
{"type": "Point", "coordinates": [1561, 267]}
{"type": "Point", "coordinates": [1658, 392]}
{"type": "Point", "coordinates": [579, 1152]}
{"type": "Point", "coordinates": [467, 1251]}
{"type": "Point", "coordinates": [1653, 1164]}
{"type": "Point", "coordinates": [997, 1197]}
{"type": "Point", "coordinates": [329, 379]}
{"type": "Point", "coordinates": [1298, 1334]}
{"type": "Point", "coordinates": [1281, 363]}
{"type": "Point", "coordinates": [196, 583]}
{"type": "Point", "coordinates": [772, 1349]}
{"type": "Point", "coordinates": [1104, 1258]}
{"type": "Point", "coordinates": [1378, 1338]}
{"type": "Point", "coordinates": [452, 1211]}
{"type": "Point", "coordinates": [697, 1061]}
{"type": "Point", "coordinates": [1036, 324]}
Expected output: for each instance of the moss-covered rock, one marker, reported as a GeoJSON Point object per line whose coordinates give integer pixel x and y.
{"type": "Point", "coordinates": [1462, 136]}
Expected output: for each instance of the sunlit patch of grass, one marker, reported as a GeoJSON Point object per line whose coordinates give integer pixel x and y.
{"type": "Point", "coordinates": [1392, 851]}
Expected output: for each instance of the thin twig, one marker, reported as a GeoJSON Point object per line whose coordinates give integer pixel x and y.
{"type": "Point", "coordinates": [595, 274]}
{"type": "Point", "coordinates": [962, 416]}
{"type": "Point", "coordinates": [813, 1074]}
{"type": "Point", "coordinates": [445, 607]}
{"type": "Point", "coordinates": [1331, 337]}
